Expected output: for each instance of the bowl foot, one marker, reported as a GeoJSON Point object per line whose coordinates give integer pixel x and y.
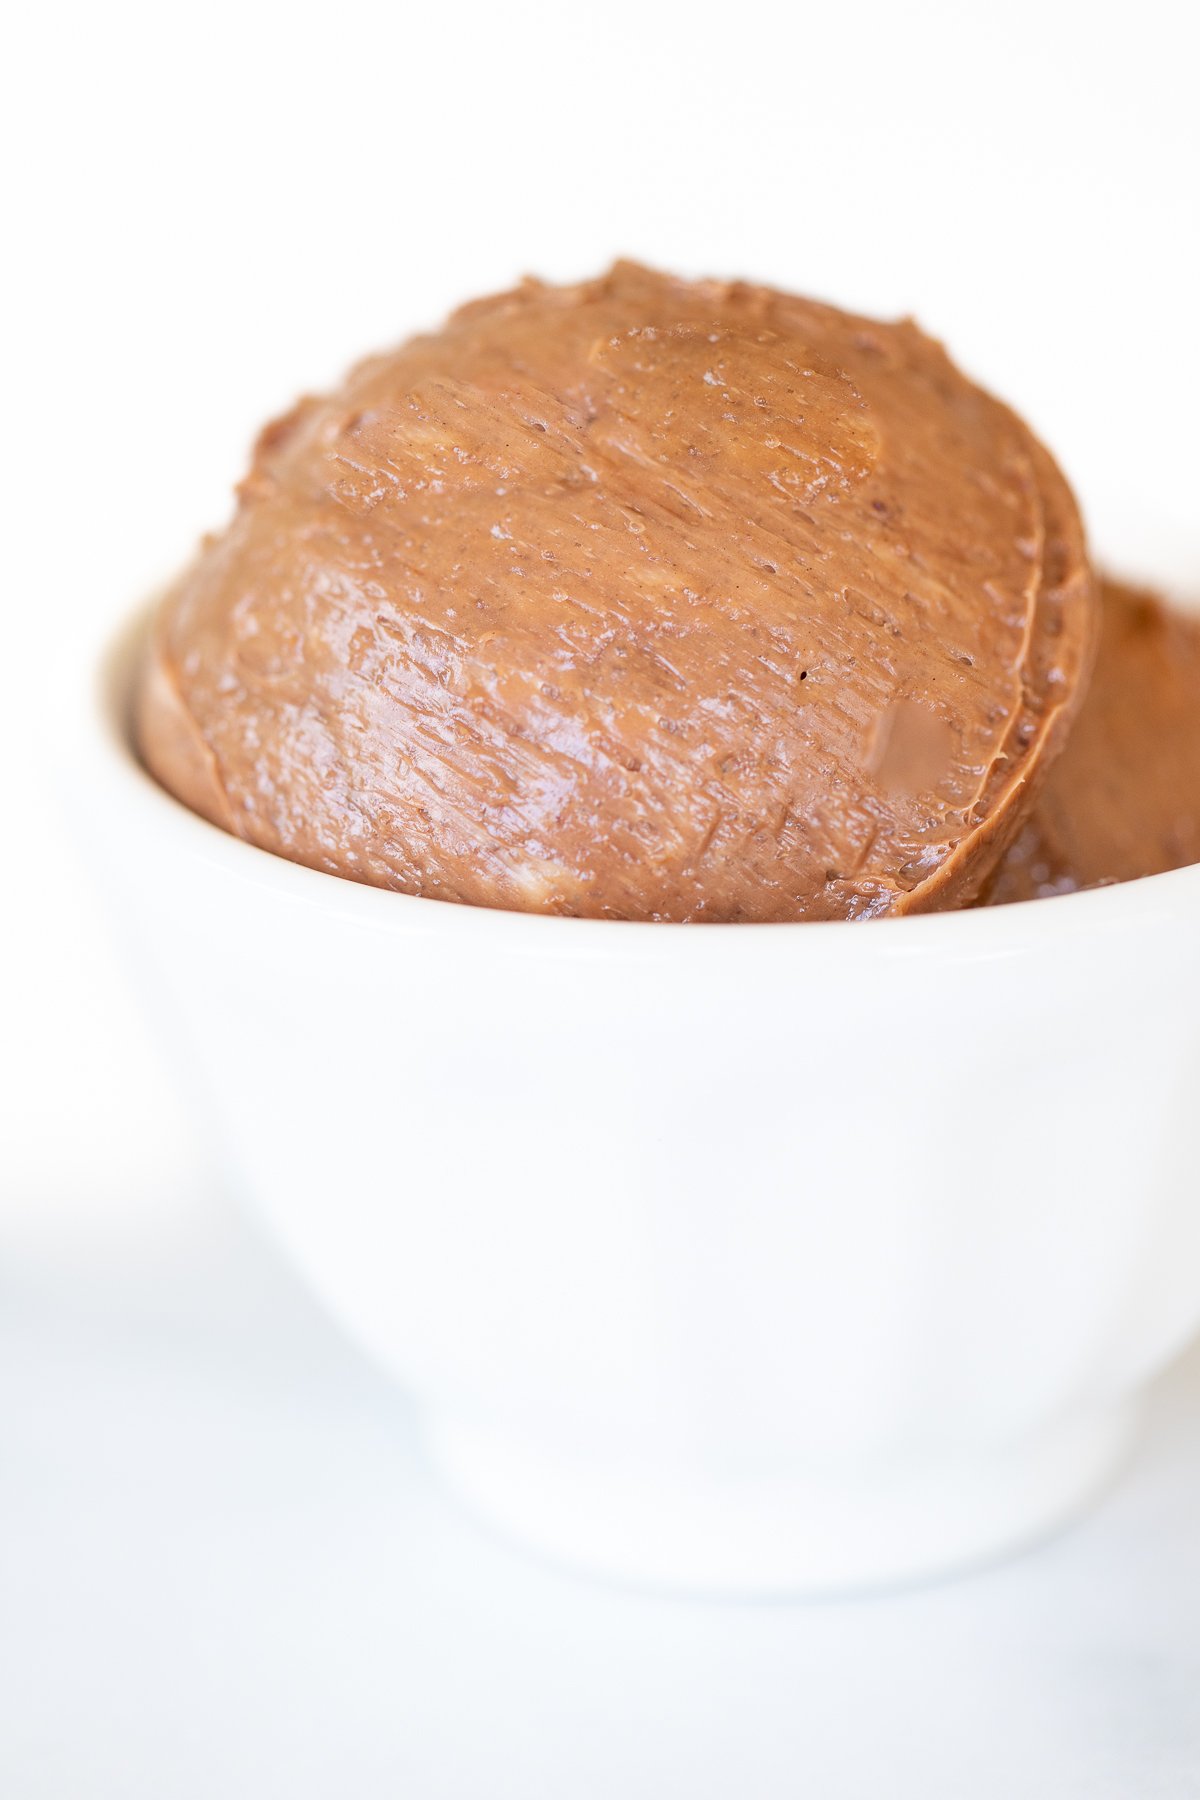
{"type": "Point", "coordinates": [798, 1533]}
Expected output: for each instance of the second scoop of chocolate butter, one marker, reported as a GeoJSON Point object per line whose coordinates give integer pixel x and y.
{"type": "Point", "coordinates": [1123, 799]}
{"type": "Point", "coordinates": [640, 599]}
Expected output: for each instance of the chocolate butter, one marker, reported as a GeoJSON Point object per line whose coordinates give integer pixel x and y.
{"type": "Point", "coordinates": [642, 598]}
{"type": "Point", "coordinates": [1123, 799]}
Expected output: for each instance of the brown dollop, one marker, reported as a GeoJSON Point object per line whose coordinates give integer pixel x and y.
{"type": "Point", "coordinates": [642, 598]}
{"type": "Point", "coordinates": [1123, 799]}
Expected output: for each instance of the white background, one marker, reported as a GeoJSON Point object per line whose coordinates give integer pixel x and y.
{"type": "Point", "coordinates": [221, 1569]}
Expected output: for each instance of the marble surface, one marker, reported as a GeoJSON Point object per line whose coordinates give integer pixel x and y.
{"type": "Point", "coordinates": [225, 1569]}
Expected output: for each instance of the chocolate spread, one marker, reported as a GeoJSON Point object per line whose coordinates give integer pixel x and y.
{"type": "Point", "coordinates": [1123, 799]}
{"type": "Point", "coordinates": [642, 598]}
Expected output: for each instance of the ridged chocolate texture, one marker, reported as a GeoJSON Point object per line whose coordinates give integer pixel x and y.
{"type": "Point", "coordinates": [640, 599]}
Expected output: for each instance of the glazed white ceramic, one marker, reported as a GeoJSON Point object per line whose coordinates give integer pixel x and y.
{"type": "Point", "coordinates": [746, 1258]}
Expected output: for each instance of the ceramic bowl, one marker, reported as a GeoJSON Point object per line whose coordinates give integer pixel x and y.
{"type": "Point", "coordinates": [745, 1258]}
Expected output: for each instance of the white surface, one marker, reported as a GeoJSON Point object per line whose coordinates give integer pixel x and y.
{"type": "Point", "coordinates": [698, 1279]}
{"type": "Point", "coordinates": [224, 1571]}
{"type": "Point", "coordinates": [217, 1572]}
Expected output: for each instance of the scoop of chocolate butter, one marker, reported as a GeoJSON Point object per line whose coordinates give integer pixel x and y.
{"type": "Point", "coordinates": [639, 599]}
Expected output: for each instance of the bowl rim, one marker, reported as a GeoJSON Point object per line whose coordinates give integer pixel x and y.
{"type": "Point", "coordinates": [106, 761]}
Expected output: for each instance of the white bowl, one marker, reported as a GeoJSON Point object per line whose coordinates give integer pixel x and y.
{"type": "Point", "coordinates": [748, 1258]}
